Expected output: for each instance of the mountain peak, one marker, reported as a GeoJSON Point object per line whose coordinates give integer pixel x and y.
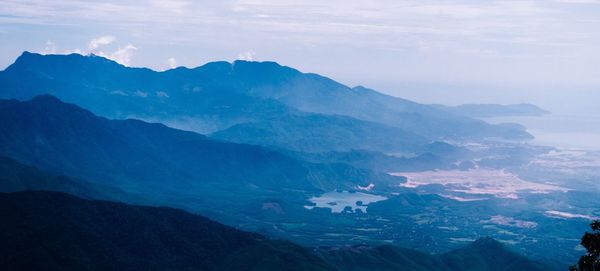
{"type": "Point", "coordinates": [25, 57]}
{"type": "Point", "coordinates": [486, 242]}
{"type": "Point", "coordinates": [37, 61]}
{"type": "Point", "coordinates": [46, 98]}
{"type": "Point", "coordinates": [253, 62]}
{"type": "Point", "coordinates": [27, 53]}
{"type": "Point", "coordinates": [262, 67]}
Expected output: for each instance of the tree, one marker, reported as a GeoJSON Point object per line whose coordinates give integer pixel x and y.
{"type": "Point", "coordinates": [591, 242]}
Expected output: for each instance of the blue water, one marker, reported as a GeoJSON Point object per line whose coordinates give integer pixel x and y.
{"type": "Point", "coordinates": [561, 130]}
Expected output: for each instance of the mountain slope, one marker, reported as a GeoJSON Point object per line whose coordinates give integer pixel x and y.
{"type": "Point", "coordinates": [163, 165]}
{"type": "Point", "coordinates": [488, 254]}
{"type": "Point", "coordinates": [383, 258]}
{"type": "Point", "coordinates": [19, 177]}
{"type": "Point", "coordinates": [55, 231]}
{"type": "Point", "coordinates": [315, 93]}
{"type": "Point", "coordinates": [64, 138]}
{"type": "Point", "coordinates": [484, 254]}
{"type": "Point", "coordinates": [322, 133]}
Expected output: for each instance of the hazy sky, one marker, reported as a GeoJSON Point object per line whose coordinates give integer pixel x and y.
{"type": "Point", "coordinates": [432, 51]}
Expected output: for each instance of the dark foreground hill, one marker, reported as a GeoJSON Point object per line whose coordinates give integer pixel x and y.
{"type": "Point", "coordinates": [56, 231]}
{"type": "Point", "coordinates": [485, 254]}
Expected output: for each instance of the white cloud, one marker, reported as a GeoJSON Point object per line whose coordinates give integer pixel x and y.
{"type": "Point", "coordinates": [119, 92]}
{"type": "Point", "coordinates": [50, 48]}
{"type": "Point", "coordinates": [247, 56]}
{"type": "Point", "coordinates": [511, 222]}
{"type": "Point", "coordinates": [98, 42]}
{"type": "Point", "coordinates": [171, 5]}
{"type": "Point", "coordinates": [162, 94]}
{"type": "Point", "coordinates": [122, 55]}
{"type": "Point", "coordinates": [579, 1]}
{"type": "Point", "coordinates": [140, 93]}
{"type": "Point", "coordinates": [446, 41]}
{"type": "Point", "coordinates": [172, 62]}
{"type": "Point", "coordinates": [559, 214]}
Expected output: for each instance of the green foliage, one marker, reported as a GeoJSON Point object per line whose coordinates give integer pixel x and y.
{"type": "Point", "coordinates": [591, 242]}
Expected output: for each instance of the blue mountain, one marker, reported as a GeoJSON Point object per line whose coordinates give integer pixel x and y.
{"type": "Point", "coordinates": [163, 165]}
{"type": "Point", "coordinates": [247, 102]}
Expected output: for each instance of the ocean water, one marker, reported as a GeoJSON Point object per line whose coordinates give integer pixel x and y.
{"type": "Point", "coordinates": [565, 131]}
{"type": "Point", "coordinates": [575, 122]}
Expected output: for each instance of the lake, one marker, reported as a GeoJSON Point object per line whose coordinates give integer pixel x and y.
{"type": "Point", "coordinates": [338, 201]}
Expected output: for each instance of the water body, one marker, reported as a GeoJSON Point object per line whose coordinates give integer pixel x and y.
{"type": "Point", "coordinates": [338, 201]}
{"type": "Point", "coordinates": [560, 130]}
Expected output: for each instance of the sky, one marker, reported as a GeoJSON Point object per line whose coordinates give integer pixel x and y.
{"type": "Point", "coordinates": [452, 52]}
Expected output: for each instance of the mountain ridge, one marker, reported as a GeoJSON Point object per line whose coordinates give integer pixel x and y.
{"type": "Point", "coordinates": [219, 95]}
{"type": "Point", "coordinates": [40, 118]}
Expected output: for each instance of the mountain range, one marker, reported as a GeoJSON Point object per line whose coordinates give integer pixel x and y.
{"type": "Point", "coordinates": [246, 102]}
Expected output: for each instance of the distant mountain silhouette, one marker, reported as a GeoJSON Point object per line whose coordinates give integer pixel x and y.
{"type": "Point", "coordinates": [253, 99]}
{"type": "Point", "coordinates": [318, 133]}
{"type": "Point", "coordinates": [494, 110]}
